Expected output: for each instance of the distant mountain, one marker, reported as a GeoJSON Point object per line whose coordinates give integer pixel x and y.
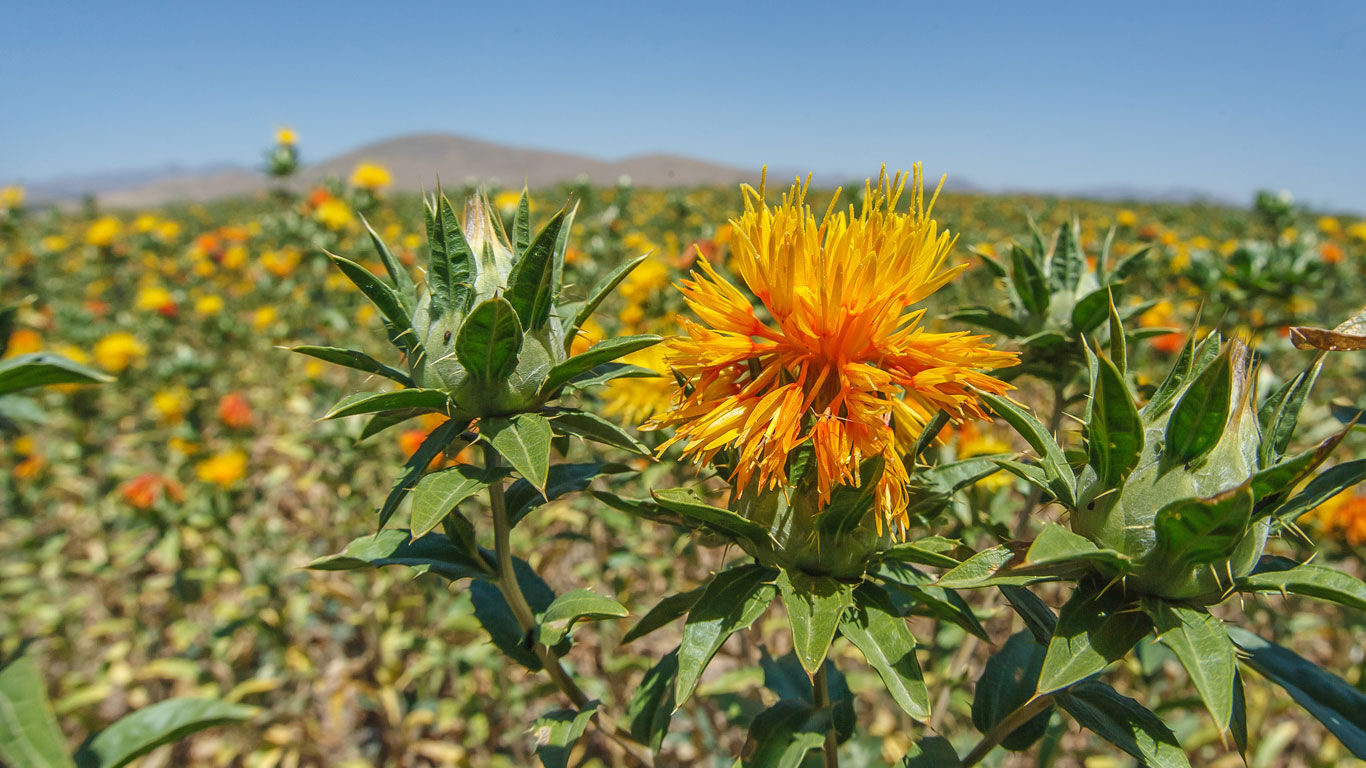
{"type": "Point", "coordinates": [414, 161]}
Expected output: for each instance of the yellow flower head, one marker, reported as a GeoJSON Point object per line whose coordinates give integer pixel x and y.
{"type": "Point", "coordinates": [837, 359]}
{"type": "Point", "coordinates": [286, 136]}
{"type": "Point", "coordinates": [334, 214]}
{"type": "Point", "coordinates": [119, 350]}
{"type": "Point", "coordinates": [370, 176]}
{"type": "Point", "coordinates": [11, 197]}
{"type": "Point", "coordinates": [223, 469]}
{"type": "Point", "coordinates": [103, 231]}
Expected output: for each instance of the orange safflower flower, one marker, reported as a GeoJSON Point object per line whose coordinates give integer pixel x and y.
{"type": "Point", "coordinates": [234, 411]}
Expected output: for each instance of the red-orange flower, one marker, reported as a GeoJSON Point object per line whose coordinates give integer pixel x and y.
{"type": "Point", "coordinates": [234, 411]}
{"type": "Point", "coordinates": [147, 489]}
{"type": "Point", "coordinates": [835, 357]}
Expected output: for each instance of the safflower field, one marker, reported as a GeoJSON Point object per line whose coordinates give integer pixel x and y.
{"type": "Point", "coordinates": [623, 476]}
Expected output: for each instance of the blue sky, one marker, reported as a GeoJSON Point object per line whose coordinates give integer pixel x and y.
{"type": "Point", "coordinates": [1221, 97]}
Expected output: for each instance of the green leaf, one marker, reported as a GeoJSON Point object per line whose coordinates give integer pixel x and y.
{"type": "Point", "coordinates": [1114, 430]}
{"type": "Point", "coordinates": [651, 708]}
{"type": "Point", "coordinates": [556, 732]}
{"type": "Point", "coordinates": [524, 441]}
{"type": "Point", "coordinates": [1126, 268]}
{"type": "Point", "coordinates": [164, 722]}
{"type": "Point", "coordinates": [521, 224]}
{"type": "Point", "coordinates": [41, 369]}
{"type": "Point", "coordinates": [1199, 416]}
{"type": "Point", "coordinates": [29, 736]}
{"type": "Point", "coordinates": [1271, 485]}
{"type": "Point", "coordinates": [814, 607]}
{"type": "Point", "coordinates": [398, 274]}
{"type": "Point", "coordinates": [1125, 723]}
{"type": "Point", "coordinates": [1090, 311]}
{"type": "Point", "coordinates": [1323, 487]}
{"type": "Point", "coordinates": [432, 554]}
{"type": "Point", "coordinates": [1329, 699]}
{"type": "Point", "coordinates": [926, 551]}
{"type": "Point", "coordinates": [980, 570]}
{"type": "Point", "coordinates": [731, 601]}
{"type": "Point", "coordinates": [886, 642]}
{"type": "Point", "coordinates": [930, 752]}
{"type": "Point", "coordinates": [531, 284]}
{"type": "Point", "coordinates": [438, 493]}
{"type": "Point", "coordinates": [383, 296]}
{"type": "Point", "coordinates": [665, 612]}
{"type": "Point", "coordinates": [1094, 629]}
{"type": "Point", "coordinates": [1068, 263]}
{"type": "Point", "coordinates": [489, 340]}
{"type": "Point", "coordinates": [593, 427]}
{"type": "Point", "coordinates": [1197, 531]}
{"type": "Point", "coordinates": [436, 442]}
{"type": "Point", "coordinates": [1007, 683]}
{"type": "Point", "coordinates": [781, 735]}
{"type": "Point", "coordinates": [606, 372]}
{"type": "Point", "coordinates": [1059, 552]}
{"type": "Point", "coordinates": [573, 607]}
{"type": "Point", "coordinates": [600, 292]}
{"type": "Point", "coordinates": [914, 593]}
{"type": "Point", "coordinates": [1061, 481]}
{"type": "Point", "coordinates": [522, 497]}
{"type": "Point", "coordinates": [991, 320]}
{"type": "Point", "coordinates": [1201, 644]}
{"type": "Point", "coordinates": [684, 502]}
{"type": "Point", "coordinates": [357, 360]}
{"type": "Point", "coordinates": [1028, 280]}
{"type": "Point", "coordinates": [1119, 349]}
{"type": "Point", "coordinates": [1281, 412]}
{"type": "Point", "coordinates": [386, 419]}
{"type": "Point", "coordinates": [494, 614]}
{"type": "Point", "coordinates": [1038, 617]}
{"type": "Point", "coordinates": [451, 277]}
{"type": "Point", "coordinates": [927, 435]}
{"type": "Point", "coordinates": [373, 402]}
{"type": "Point", "coordinates": [1171, 384]}
{"type": "Point", "coordinates": [603, 352]}
{"type": "Point", "coordinates": [1311, 581]}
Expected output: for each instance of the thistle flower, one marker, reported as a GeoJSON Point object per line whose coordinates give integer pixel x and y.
{"type": "Point", "coordinates": [836, 358]}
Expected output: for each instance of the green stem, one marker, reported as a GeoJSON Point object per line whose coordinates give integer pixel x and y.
{"type": "Point", "coordinates": [822, 698]}
{"type": "Point", "coordinates": [526, 617]}
{"type": "Point", "coordinates": [1012, 721]}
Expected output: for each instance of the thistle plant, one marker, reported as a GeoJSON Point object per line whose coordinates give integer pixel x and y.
{"type": "Point", "coordinates": [487, 346]}
{"type": "Point", "coordinates": [814, 406]}
{"type": "Point", "coordinates": [1169, 514]}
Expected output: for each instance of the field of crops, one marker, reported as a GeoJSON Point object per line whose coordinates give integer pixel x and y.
{"type": "Point", "coordinates": [156, 530]}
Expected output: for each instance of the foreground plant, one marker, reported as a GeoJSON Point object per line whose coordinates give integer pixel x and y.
{"type": "Point", "coordinates": [814, 408]}
{"type": "Point", "coordinates": [487, 345]}
{"type": "Point", "coordinates": [1169, 514]}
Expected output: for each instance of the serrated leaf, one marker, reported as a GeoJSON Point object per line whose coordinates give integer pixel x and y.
{"type": "Point", "coordinates": [432, 554]}
{"type": "Point", "coordinates": [524, 441]}
{"type": "Point", "coordinates": [572, 607]}
{"type": "Point", "coordinates": [359, 361]}
{"type": "Point", "coordinates": [1198, 419]}
{"type": "Point", "coordinates": [1196, 531]}
{"type": "Point", "coordinates": [531, 284]}
{"type": "Point", "coordinates": [1064, 271]}
{"type": "Point", "coordinates": [1062, 482]}
{"type": "Point", "coordinates": [1125, 723]}
{"type": "Point", "coordinates": [489, 340]}
{"type": "Point", "coordinates": [1280, 414]}
{"type": "Point", "coordinates": [386, 419]}
{"type": "Point", "coordinates": [929, 551]}
{"type": "Point", "coordinates": [438, 493]}
{"type": "Point", "coordinates": [436, 442]}
{"type": "Point", "coordinates": [522, 497]}
{"type": "Point", "coordinates": [930, 752]}
{"type": "Point", "coordinates": [1311, 581]}
{"type": "Point", "coordinates": [981, 569]}
{"type": "Point", "coordinates": [521, 223]}
{"type": "Point", "coordinates": [601, 374]}
{"type": "Point", "coordinates": [665, 612]}
{"type": "Point", "coordinates": [374, 402]}
{"type": "Point", "coordinates": [1323, 487]}
{"type": "Point", "coordinates": [603, 352]}
{"type": "Point", "coordinates": [1203, 648]}
{"type": "Point", "coordinates": [1329, 699]}
{"type": "Point", "coordinates": [593, 427]}
{"type": "Point", "coordinates": [41, 369]}
{"type": "Point", "coordinates": [558, 730]}
{"type": "Point", "coordinates": [451, 275]}
{"type": "Point", "coordinates": [1059, 552]}
{"type": "Point", "coordinates": [398, 274]}
{"type": "Point", "coordinates": [731, 601]}
{"type": "Point", "coordinates": [1114, 430]}
{"type": "Point", "coordinates": [164, 722]}
{"type": "Point", "coordinates": [814, 605]}
{"type": "Point", "coordinates": [684, 502]}
{"type": "Point", "coordinates": [1093, 630]}
{"type": "Point", "coordinates": [886, 642]}
{"type": "Point", "coordinates": [1007, 683]}
{"type": "Point", "coordinates": [385, 298]}
{"type": "Point", "coordinates": [29, 736]}
{"type": "Point", "coordinates": [601, 291]}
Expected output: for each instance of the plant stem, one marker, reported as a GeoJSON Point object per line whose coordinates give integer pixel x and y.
{"type": "Point", "coordinates": [1012, 721]}
{"type": "Point", "coordinates": [526, 618]}
{"type": "Point", "coordinates": [821, 692]}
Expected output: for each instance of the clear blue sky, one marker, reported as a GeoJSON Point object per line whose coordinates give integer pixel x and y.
{"type": "Point", "coordinates": [1222, 97]}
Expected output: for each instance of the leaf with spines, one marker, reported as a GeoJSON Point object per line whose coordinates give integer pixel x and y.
{"type": "Point", "coordinates": [814, 607]}
{"type": "Point", "coordinates": [531, 286]}
{"type": "Point", "coordinates": [1313, 581]}
{"type": "Point", "coordinates": [685, 503]}
{"type": "Point", "coordinates": [1125, 723]}
{"type": "Point", "coordinates": [1199, 531]}
{"type": "Point", "coordinates": [438, 493]}
{"type": "Point", "coordinates": [1062, 482]}
{"type": "Point", "coordinates": [1064, 271]}
{"type": "Point", "coordinates": [522, 439]}
{"type": "Point", "coordinates": [1029, 282]}
{"type": "Point", "coordinates": [356, 360]}
{"type": "Point", "coordinates": [1198, 419]}
{"type": "Point", "coordinates": [489, 340]}
{"type": "Point", "coordinates": [386, 299]}
{"type": "Point", "coordinates": [1323, 487]}
{"type": "Point", "coordinates": [1281, 412]}
{"type": "Point", "coordinates": [1094, 629]}
{"type": "Point", "coordinates": [558, 730]}
{"type": "Point", "coordinates": [601, 291]}
{"type": "Point", "coordinates": [1114, 430]}
{"type": "Point", "coordinates": [593, 427]}
{"type": "Point", "coordinates": [432, 554]}
{"type": "Point", "coordinates": [1203, 648]}
{"type": "Point", "coordinates": [451, 275]}
{"type": "Point", "coordinates": [398, 274]}
{"type": "Point", "coordinates": [603, 352]}
{"type": "Point", "coordinates": [572, 607]}
{"type": "Point", "coordinates": [665, 612]}
{"type": "Point", "coordinates": [436, 442]}
{"type": "Point", "coordinates": [652, 706]}
{"type": "Point", "coordinates": [521, 224]}
{"type": "Point", "coordinates": [886, 642]}
{"type": "Point", "coordinates": [374, 402]}
{"type": "Point", "coordinates": [731, 601]}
